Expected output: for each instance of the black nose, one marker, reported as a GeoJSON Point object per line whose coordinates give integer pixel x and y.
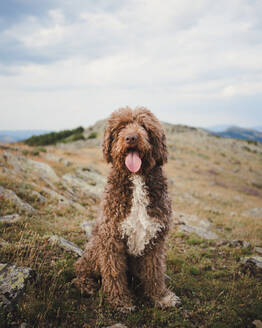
{"type": "Point", "coordinates": [131, 139]}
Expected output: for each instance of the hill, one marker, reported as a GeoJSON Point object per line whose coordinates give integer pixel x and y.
{"type": "Point", "coordinates": [240, 133]}
{"type": "Point", "coordinates": [7, 136]}
{"type": "Point", "coordinates": [49, 198]}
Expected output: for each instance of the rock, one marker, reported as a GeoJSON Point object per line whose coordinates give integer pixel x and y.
{"type": "Point", "coordinates": [191, 220]}
{"type": "Point", "coordinates": [239, 244]}
{"type": "Point", "coordinates": [117, 325]}
{"type": "Point", "coordinates": [11, 196]}
{"type": "Point", "coordinates": [238, 198]}
{"type": "Point", "coordinates": [24, 325]}
{"type": "Point", "coordinates": [54, 158]}
{"type": "Point", "coordinates": [258, 250]}
{"type": "Point", "coordinates": [67, 245]}
{"type": "Point", "coordinates": [3, 243]}
{"type": "Point", "coordinates": [65, 161]}
{"type": "Point", "coordinates": [28, 166]}
{"type": "Point", "coordinates": [40, 198]}
{"type": "Point", "coordinates": [253, 264]}
{"type": "Point", "coordinates": [63, 200]}
{"type": "Point", "coordinates": [254, 213]}
{"type": "Point", "coordinates": [257, 323]}
{"type": "Point", "coordinates": [87, 226]}
{"type": "Point", "coordinates": [192, 224]}
{"type": "Point", "coordinates": [10, 218]}
{"type": "Point", "coordinates": [13, 280]}
{"type": "Point", "coordinates": [203, 233]}
{"type": "Point", "coordinates": [86, 180]}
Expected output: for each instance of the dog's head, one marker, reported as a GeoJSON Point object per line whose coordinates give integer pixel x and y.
{"type": "Point", "coordinates": [134, 140]}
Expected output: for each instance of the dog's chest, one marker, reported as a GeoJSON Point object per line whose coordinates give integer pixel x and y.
{"type": "Point", "coordinates": [138, 227]}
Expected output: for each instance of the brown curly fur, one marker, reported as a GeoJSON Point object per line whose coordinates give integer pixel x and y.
{"type": "Point", "coordinates": [107, 254]}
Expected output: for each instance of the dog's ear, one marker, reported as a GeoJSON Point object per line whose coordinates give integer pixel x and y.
{"type": "Point", "coordinates": [156, 134]}
{"type": "Point", "coordinates": [117, 119]}
{"type": "Point", "coordinates": [108, 138]}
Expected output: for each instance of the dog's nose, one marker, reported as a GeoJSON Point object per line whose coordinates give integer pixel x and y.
{"type": "Point", "coordinates": [131, 139]}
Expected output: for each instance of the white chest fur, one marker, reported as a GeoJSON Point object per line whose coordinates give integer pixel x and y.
{"type": "Point", "coordinates": [138, 227]}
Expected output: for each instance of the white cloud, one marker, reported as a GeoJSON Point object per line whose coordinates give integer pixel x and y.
{"type": "Point", "coordinates": [140, 52]}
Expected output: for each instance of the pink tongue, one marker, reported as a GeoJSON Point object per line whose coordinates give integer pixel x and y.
{"type": "Point", "coordinates": [133, 161]}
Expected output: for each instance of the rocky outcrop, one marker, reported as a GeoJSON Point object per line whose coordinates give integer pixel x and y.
{"type": "Point", "coordinates": [192, 224]}
{"type": "Point", "coordinates": [86, 180]}
{"type": "Point", "coordinates": [66, 245]}
{"type": "Point", "coordinates": [13, 281]}
{"type": "Point", "coordinates": [12, 197]}
{"type": "Point", "coordinates": [255, 213]}
{"type": "Point", "coordinates": [10, 218]}
{"type": "Point", "coordinates": [252, 264]}
{"type": "Point", "coordinates": [62, 200]}
{"type": "Point", "coordinates": [30, 167]}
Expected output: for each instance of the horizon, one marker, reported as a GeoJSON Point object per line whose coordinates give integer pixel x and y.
{"type": "Point", "coordinates": [217, 126]}
{"type": "Point", "coordinates": [66, 64]}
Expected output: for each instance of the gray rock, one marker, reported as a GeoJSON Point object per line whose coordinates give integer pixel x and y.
{"type": "Point", "coordinates": [252, 262]}
{"type": "Point", "coordinates": [258, 250]}
{"type": "Point", "coordinates": [3, 243]}
{"type": "Point", "coordinates": [10, 218]}
{"type": "Point", "coordinates": [201, 232]}
{"type": "Point", "coordinates": [191, 220]}
{"type": "Point", "coordinates": [86, 181]}
{"type": "Point", "coordinates": [254, 213]}
{"type": "Point", "coordinates": [28, 166]}
{"type": "Point", "coordinates": [41, 199]}
{"type": "Point", "coordinates": [13, 280]}
{"type": "Point", "coordinates": [87, 226]}
{"type": "Point", "coordinates": [239, 244]}
{"type": "Point", "coordinates": [67, 245]}
{"type": "Point", "coordinates": [11, 196]}
{"type": "Point", "coordinates": [63, 200]}
{"type": "Point", "coordinates": [65, 161]}
{"type": "Point", "coordinates": [192, 224]}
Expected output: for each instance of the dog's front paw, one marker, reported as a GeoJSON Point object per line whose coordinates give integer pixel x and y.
{"type": "Point", "coordinates": [169, 300]}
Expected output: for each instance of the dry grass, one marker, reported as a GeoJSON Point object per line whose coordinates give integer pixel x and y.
{"type": "Point", "coordinates": [210, 178]}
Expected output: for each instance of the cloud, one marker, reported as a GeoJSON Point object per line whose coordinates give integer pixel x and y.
{"type": "Point", "coordinates": [112, 53]}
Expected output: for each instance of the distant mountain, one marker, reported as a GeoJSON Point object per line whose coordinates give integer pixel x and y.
{"type": "Point", "coordinates": [258, 128]}
{"type": "Point", "coordinates": [224, 127]}
{"type": "Point", "coordinates": [7, 136]}
{"type": "Point", "coordinates": [218, 128]}
{"type": "Point", "coordinates": [236, 132]}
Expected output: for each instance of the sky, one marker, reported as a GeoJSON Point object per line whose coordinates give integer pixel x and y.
{"type": "Point", "coordinates": [65, 63]}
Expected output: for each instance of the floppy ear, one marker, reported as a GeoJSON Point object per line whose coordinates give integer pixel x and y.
{"type": "Point", "coordinates": [117, 119]}
{"type": "Point", "coordinates": [107, 144]}
{"type": "Point", "coordinates": [156, 134]}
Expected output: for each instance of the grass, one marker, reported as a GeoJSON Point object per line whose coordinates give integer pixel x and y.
{"type": "Point", "coordinates": [208, 278]}
{"type": "Point", "coordinates": [214, 289]}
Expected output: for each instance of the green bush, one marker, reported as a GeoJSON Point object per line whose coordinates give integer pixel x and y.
{"type": "Point", "coordinates": [54, 137]}
{"type": "Point", "coordinates": [92, 135]}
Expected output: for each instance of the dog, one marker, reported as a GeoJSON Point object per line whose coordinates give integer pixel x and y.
{"type": "Point", "coordinates": [129, 236]}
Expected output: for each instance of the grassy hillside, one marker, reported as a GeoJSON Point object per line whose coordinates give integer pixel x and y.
{"type": "Point", "coordinates": [216, 187]}
{"type": "Point", "coordinates": [54, 137]}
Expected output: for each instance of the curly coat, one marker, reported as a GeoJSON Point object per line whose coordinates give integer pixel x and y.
{"type": "Point", "coordinates": [129, 236]}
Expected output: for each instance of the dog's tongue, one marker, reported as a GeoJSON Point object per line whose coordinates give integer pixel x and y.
{"type": "Point", "coordinates": [133, 161]}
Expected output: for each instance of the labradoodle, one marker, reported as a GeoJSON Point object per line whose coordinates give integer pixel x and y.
{"type": "Point", "coordinates": [129, 237]}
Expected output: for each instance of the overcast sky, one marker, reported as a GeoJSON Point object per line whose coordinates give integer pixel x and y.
{"type": "Point", "coordinates": [65, 63]}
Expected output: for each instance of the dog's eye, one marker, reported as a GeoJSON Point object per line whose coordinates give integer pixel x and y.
{"type": "Point", "coordinates": [144, 127]}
